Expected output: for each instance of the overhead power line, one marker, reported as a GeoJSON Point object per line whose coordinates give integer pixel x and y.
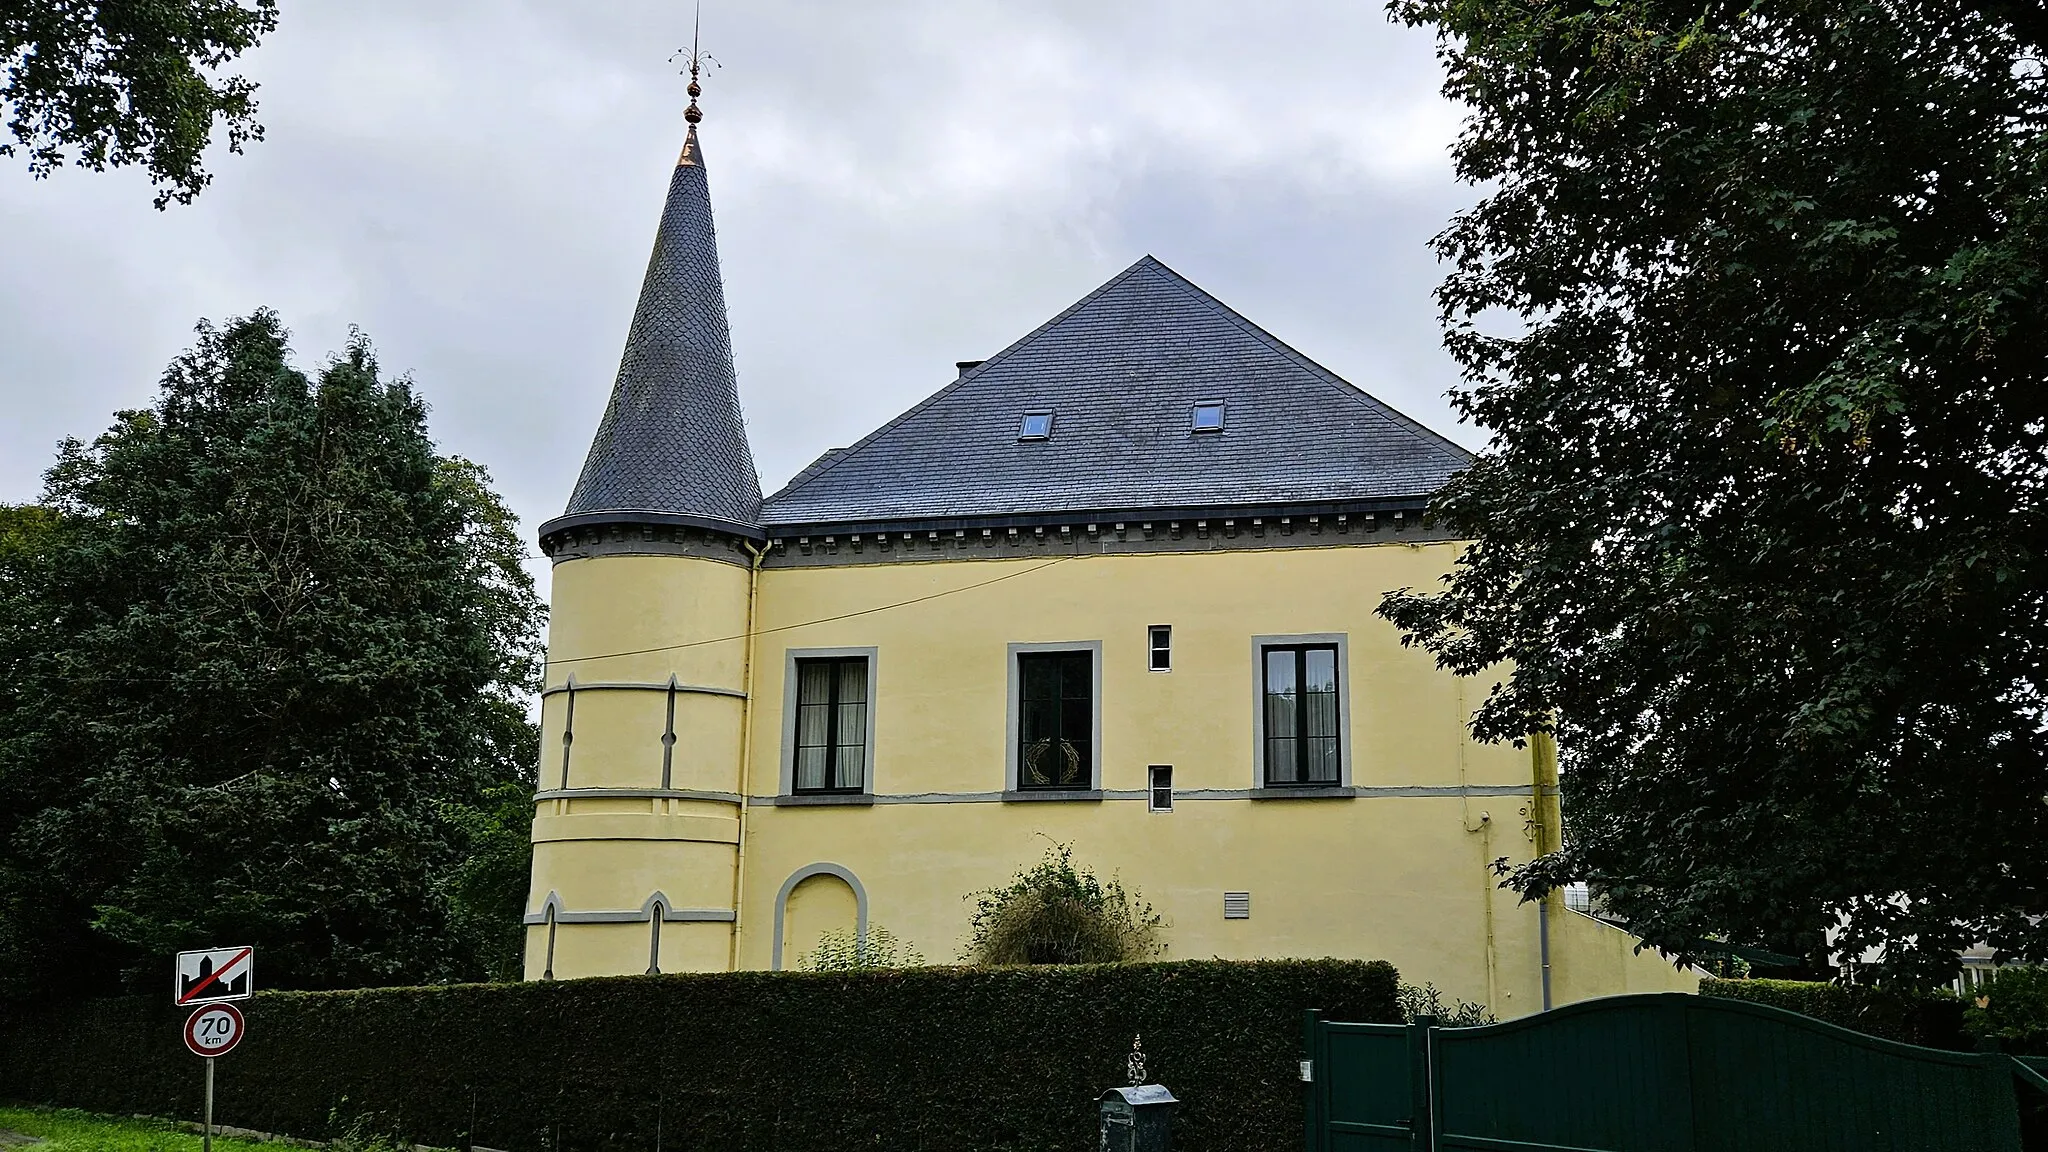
{"type": "Point", "coordinates": [810, 623]}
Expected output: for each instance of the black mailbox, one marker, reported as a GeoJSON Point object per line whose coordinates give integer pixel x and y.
{"type": "Point", "coordinates": [1134, 1119]}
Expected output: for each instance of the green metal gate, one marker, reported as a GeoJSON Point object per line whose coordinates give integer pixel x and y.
{"type": "Point", "coordinates": [1661, 1073]}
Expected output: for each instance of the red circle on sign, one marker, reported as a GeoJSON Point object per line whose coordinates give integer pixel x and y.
{"type": "Point", "coordinates": [214, 1030]}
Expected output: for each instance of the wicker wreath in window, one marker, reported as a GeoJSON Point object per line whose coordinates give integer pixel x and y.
{"type": "Point", "coordinates": [1067, 760]}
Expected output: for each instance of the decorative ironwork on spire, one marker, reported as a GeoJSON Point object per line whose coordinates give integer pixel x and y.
{"type": "Point", "coordinates": [697, 58]}
{"type": "Point", "coordinates": [672, 448]}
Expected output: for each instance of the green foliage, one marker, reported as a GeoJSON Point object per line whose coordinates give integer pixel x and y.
{"type": "Point", "coordinates": [1055, 913]}
{"type": "Point", "coordinates": [847, 951]}
{"type": "Point", "coordinates": [123, 82]}
{"type": "Point", "coordinates": [264, 680]}
{"type": "Point", "coordinates": [2012, 1007]}
{"type": "Point", "coordinates": [69, 1130]}
{"type": "Point", "coordinates": [1428, 1001]}
{"type": "Point", "coordinates": [1930, 1019]}
{"type": "Point", "coordinates": [1755, 305]}
{"type": "Point", "coordinates": [486, 892]}
{"type": "Point", "coordinates": [931, 1058]}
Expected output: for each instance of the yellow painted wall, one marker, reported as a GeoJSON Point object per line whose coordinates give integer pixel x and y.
{"type": "Point", "coordinates": [1593, 958]}
{"type": "Point", "coordinates": [1403, 877]}
{"type": "Point", "coordinates": [640, 620]}
{"type": "Point", "coordinates": [1398, 877]}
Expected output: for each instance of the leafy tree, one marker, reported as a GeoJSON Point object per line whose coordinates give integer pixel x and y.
{"type": "Point", "coordinates": [122, 82]}
{"type": "Point", "coordinates": [1754, 306]}
{"type": "Point", "coordinates": [2012, 1007]}
{"type": "Point", "coordinates": [1056, 913]}
{"type": "Point", "coordinates": [486, 893]}
{"type": "Point", "coordinates": [264, 682]}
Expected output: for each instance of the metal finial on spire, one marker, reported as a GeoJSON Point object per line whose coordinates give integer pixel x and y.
{"type": "Point", "coordinates": [697, 59]}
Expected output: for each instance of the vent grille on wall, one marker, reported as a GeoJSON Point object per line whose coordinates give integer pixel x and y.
{"type": "Point", "coordinates": [1237, 905]}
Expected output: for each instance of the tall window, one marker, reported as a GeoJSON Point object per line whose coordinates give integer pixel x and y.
{"type": "Point", "coordinates": [1159, 639]}
{"type": "Point", "coordinates": [831, 724]}
{"type": "Point", "coordinates": [1055, 719]}
{"type": "Point", "coordinates": [1302, 731]}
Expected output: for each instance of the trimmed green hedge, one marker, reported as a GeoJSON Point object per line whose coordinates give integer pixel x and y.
{"type": "Point", "coordinates": [1929, 1019]}
{"type": "Point", "coordinates": [959, 1060]}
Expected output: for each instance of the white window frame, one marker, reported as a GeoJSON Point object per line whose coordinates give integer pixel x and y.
{"type": "Point", "coordinates": [1011, 769]}
{"type": "Point", "coordinates": [789, 694]}
{"type": "Point", "coordinates": [1345, 688]}
{"type": "Point", "coordinates": [1151, 647]}
{"type": "Point", "coordinates": [1152, 803]}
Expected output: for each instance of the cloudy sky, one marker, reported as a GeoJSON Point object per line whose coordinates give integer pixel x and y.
{"type": "Point", "coordinates": [898, 185]}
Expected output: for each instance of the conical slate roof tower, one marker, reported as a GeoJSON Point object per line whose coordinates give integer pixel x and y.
{"type": "Point", "coordinates": [672, 448]}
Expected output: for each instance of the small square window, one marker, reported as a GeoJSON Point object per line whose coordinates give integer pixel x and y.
{"type": "Point", "coordinates": [1160, 639]}
{"type": "Point", "coordinates": [1159, 785]}
{"type": "Point", "coordinates": [1207, 417]}
{"type": "Point", "coordinates": [1036, 426]}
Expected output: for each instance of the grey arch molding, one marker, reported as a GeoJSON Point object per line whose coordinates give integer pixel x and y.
{"type": "Point", "coordinates": [860, 902]}
{"type": "Point", "coordinates": [669, 913]}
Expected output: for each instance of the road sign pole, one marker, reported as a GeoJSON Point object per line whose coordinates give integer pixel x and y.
{"type": "Point", "coordinates": [206, 1138]}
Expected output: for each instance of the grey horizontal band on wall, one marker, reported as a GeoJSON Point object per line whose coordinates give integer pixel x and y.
{"type": "Point", "coordinates": [634, 686]}
{"type": "Point", "coordinates": [1361, 791]}
{"type": "Point", "coordinates": [645, 914]}
{"type": "Point", "coordinates": [635, 793]}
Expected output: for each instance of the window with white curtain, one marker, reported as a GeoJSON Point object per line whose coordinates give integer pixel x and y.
{"type": "Point", "coordinates": [1303, 728]}
{"type": "Point", "coordinates": [831, 724]}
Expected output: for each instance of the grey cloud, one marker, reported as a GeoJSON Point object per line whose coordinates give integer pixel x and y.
{"type": "Point", "coordinates": [898, 186]}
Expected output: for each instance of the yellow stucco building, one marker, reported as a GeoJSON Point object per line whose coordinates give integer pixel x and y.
{"type": "Point", "coordinates": [1112, 587]}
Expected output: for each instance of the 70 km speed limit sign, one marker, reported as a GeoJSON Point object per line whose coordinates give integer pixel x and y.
{"type": "Point", "coordinates": [214, 1030]}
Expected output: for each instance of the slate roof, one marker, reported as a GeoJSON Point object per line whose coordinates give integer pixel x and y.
{"type": "Point", "coordinates": [672, 447]}
{"type": "Point", "coordinates": [1121, 371]}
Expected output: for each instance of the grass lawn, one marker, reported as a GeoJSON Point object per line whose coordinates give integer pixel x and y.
{"type": "Point", "coordinates": [71, 1131]}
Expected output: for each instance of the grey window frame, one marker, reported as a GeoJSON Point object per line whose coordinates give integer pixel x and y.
{"type": "Point", "coordinates": [1011, 767]}
{"type": "Point", "coordinates": [789, 703]}
{"type": "Point", "coordinates": [1222, 417]}
{"type": "Point", "coordinates": [1022, 435]}
{"type": "Point", "coordinates": [1345, 688]}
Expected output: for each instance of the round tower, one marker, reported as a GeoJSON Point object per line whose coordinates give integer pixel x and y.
{"type": "Point", "coordinates": [637, 817]}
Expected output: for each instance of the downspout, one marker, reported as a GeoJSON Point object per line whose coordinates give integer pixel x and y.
{"type": "Point", "coordinates": [1549, 828]}
{"type": "Point", "coordinates": [1485, 829]}
{"type": "Point", "coordinates": [739, 870]}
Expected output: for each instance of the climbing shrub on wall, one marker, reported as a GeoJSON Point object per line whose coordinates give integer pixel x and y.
{"type": "Point", "coordinates": [960, 1060]}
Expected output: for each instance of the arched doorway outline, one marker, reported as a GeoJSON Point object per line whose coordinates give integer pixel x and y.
{"type": "Point", "coordinates": [860, 902]}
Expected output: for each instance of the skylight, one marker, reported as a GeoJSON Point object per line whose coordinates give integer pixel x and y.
{"type": "Point", "coordinates": [1207, 416]}
{"type": "Point", "coordinates": [1036, 426]}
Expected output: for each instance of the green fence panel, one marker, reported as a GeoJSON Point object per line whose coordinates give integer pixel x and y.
{"type": "Point", "coordinates": [1360, 1095]}
{"type": "Point", "coordinates": [1594, 1075]}
{"type": "Point", "coordinates": [1765, 1073]}
{"type": "Point", "coordinates": [1659, 1073]}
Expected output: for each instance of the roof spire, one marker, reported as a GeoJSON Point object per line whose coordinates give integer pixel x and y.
{"type": "Point", "coordinates": [672, 448]}
{"type": "Point", "coordinates": [697, 58]}
{"type": "Point", "coordinates": [693, 114]}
